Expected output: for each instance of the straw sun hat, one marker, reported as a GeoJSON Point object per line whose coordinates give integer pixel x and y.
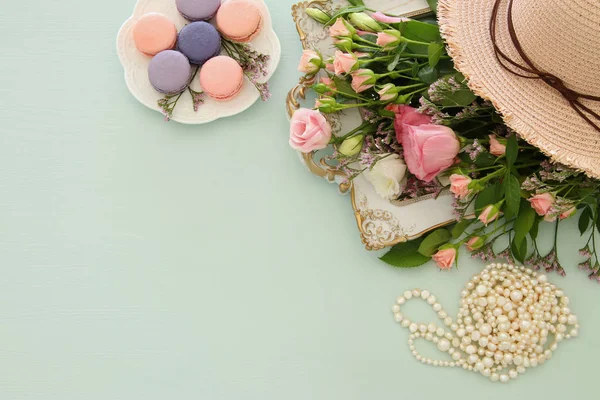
{"type": "Point", "coordinates": [543, 75]}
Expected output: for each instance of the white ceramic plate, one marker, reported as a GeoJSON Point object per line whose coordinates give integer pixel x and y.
{"type": "Point", "coordinates": [136, 66]}
{"type": "Point", "coordinates": [381, 223]}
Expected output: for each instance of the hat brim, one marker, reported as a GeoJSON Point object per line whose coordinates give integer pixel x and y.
{"type": "Point", "coordinates": [539, 113]}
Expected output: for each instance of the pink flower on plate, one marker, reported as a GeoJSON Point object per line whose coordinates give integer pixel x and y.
{"type": "Point", "coordinates": [309, 131]}
{"type": "Point", "coordinates": [384, 39]}
{"type": "Point", "coordinates": [429, 149]}
{"type": "Point", "coordinates": [343, 63]}
{"type": "Point", "coordinates": [459, 185]}
{"type": "Point", "coordinates": [445, 258]}
{"type": "Point", "coordinates": [339, 29]}
{"type": "Point", "coordinates": [363, 79]}
{"type": "Point", "coordinates": [496, 148]}
{"type": "Point", "coordinates": [386, 19]}
{"type": "Point", "coordinates": [406, 116]}
{"type": "Point", "coordinates": [310, 62]}
{"type": "Point", "coordinates": [542, 203]}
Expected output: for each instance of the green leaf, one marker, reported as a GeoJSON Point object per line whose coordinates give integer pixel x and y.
{"type": "Point", "coordinates": [519, 250]}
{"type": "Point", "coordinates": [460, 228]}
{"type": "Point", "coordinates": [584, 220]}
{"type": "Point", "coordinates": [435, 51]}
{"type": "Point", "coordinates": [489, 195]}
{"type": "Point", "coordinates": [524, 223]}
{"type": "Point", "coordinates": [512, 150]}
{"type": "Point", "coordinates": [345, 11]}
{"type": "Point", "coordinates": [343, 86]}
{"type": "Point", "coordinates": [433, 5]}
{"type": "Point", "coordinates": [356, 2]}
{"type": "Point", "coordinates": [405, 255]}
{"type": "Point", "coordinates": [512, 192]}
{"type": "Point", "coordinates": [392, 65]}
{"type": "Point", "coordinates": [415, 69]}
{"type": "Point", "coordinates": [421, 31]}
{"type": "Point", "coordinates": [433, 241]}
{"type": "Point", "coordinates": [428, 74]}
{"type": "Point", "coordinates": [386, 113]}
{"type": "Point", "coordinates": [461, 97]}
{"type": "Point", "coordinates": [535, 228]}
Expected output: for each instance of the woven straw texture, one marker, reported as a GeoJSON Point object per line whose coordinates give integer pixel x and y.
{"type": "Point", "coordinates": [561, 37]}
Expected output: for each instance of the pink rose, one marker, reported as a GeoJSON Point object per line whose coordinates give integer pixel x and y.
{"type": "Point", "coordinates": [475, 243]}
{"type": "Point", "coordinates": [363, 79]}
{"type": "Point", "coordinates": [384, 39]}
{"type": "Point", "coordinates": [406, 115]}
{"type": "Point", "coordinates": [459, 185]}
{"type": "Point", "coordinates": [496, 148]}
{"type": "Point", "coordinates": [445, 258]}
{"type": "Point", "coordinates": [344, 62]}
{"type": "Point", "coordinates": [310, 62]}
{"type": "Point", "coordinates": [542, 203]}
{"type": "Point", "coordinates": [429, 149]}
{"type": "Point", "coordinates": [388, 92]}
{"type": "Point", "coordinates": [330, 67]}
{"type": "Point", "coordinates": [360, 54]}
{"type": "Point", "coordinates": [381, 17]}
{"type": "Point", "coordinates": [309, 131]}
{"type": "Point", "coordinates": [569, 213]}
{"type": "Point", "coordinates": [489, 214]}
{"type": "Point", "coordinates": [339, 29]}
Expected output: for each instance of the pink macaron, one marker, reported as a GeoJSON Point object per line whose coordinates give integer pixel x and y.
{"type": "Point", "coordinates": [154, 33]}
{"type": "Point", "coordinates": [222, 78]}
{"type": "Point", "coordinates": [239, 20]}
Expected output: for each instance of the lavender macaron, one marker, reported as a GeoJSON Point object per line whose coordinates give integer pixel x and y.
{"type": "Point", "coordinates": [199, 42]}
{"type": "Point", "coordinates": [169, 72]}
{"type": "Point", "coordinates": [198, 10]}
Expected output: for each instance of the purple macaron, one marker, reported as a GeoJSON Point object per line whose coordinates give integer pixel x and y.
{"type": "Point", "coordinates": [169, 72]}
{"type": "Point", "coordinates": [199, 41]}
{"type": "Point", "coordinates": [198, 10]}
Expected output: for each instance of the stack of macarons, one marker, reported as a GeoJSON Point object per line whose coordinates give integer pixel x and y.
{"type": "Point", "coordinates": [197, 44]}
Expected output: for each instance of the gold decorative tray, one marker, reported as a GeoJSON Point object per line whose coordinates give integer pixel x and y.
{"type": "Point", "coordinates": [381, 223]}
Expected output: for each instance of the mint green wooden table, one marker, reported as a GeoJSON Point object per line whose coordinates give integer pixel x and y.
{"type": "Point", "coordinates": [152, 261]}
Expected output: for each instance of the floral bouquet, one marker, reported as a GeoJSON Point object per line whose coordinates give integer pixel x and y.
{"type": "Point", "coordinates": [425, 132]}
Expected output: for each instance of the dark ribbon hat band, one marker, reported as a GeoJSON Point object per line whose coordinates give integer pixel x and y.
{"type": "Point", "coordinates": [530, 71]}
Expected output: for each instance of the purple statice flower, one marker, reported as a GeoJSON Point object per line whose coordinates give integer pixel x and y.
{"type": "Point", "coordinates": [506, 255]}
{"type": "Point", "coordinates": [556, 172]}
{"type": "Point", "coordinates": [532, 184]}
{"type": "Point", "coordinates": [367, 158]}
{"type": "Point", "coordinates": [585, 252]}
{"type": "Point", "coordinates": [486, 253]}
{"type": "Point", "coordinates": [474, 149]}
{"type": "Point", "coordinates": [586, 266]}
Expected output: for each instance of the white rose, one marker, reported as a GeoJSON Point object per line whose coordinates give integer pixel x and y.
{"type": "Point", "coordinates": [386, 176]}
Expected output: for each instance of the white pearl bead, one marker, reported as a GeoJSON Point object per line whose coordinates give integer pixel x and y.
{"type": "Point", "coordinates": [425, 294]}
{"type": "Point", "coordinates": [504, 378]}
{"type": "Point", "coordinates": [413, 327]}
{"type": "Point", "coordinates": [408, 295]}
{"type": "Point", "coordinates": [401, 300]}
{"type": "Point", "coordinates": [482, 290]}
{"type": "Point", "coordinates": [516, 296]}
{"type": "Point", "coordinates": [494, 377]}
{"type": "Point", "coordinates": [512, 374]}
{"type": "Point", "coordinates": [485, 329]}
{"type": "Point", "coordinates": [398, 317]}
{"type": "Point", "coordinates": [437, 307]}
{"type": "Point", "coordinates": [572, 319]}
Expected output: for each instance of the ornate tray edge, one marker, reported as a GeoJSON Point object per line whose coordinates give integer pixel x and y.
{"type": "Point", "coordinates": [331, 174]}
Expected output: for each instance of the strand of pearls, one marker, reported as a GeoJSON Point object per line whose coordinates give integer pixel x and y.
{"type": "Point", "coordinates": [510, 319]}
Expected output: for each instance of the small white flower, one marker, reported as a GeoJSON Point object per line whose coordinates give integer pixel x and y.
{"type": "Point", "coordinates": [387, 175]}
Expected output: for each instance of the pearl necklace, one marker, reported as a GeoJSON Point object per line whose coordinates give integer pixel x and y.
{"type": "Point", "coordinates": [510, 319]}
